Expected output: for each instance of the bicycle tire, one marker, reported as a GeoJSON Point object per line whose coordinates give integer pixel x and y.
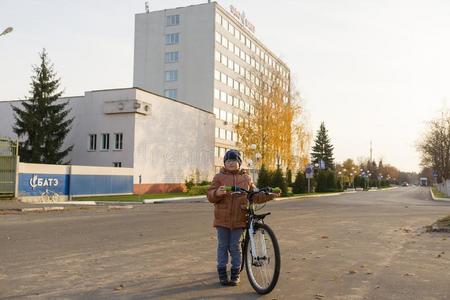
{"type": "Point", "coordinates": [244, 244]}
{"type": "Point", "coordinates": [260, 231]}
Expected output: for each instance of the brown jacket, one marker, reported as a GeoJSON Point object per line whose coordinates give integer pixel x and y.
{"type": "Point", "coordinates": [230, 210]}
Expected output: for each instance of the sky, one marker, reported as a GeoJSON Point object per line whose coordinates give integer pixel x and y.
{"type": "Point", "coordinates": [371, 70]}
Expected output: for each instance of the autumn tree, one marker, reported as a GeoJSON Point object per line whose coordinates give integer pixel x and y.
{"type": "Point", "coordinates": [274, 123]}
{"type": "Point", "coordinates": [435, 147]}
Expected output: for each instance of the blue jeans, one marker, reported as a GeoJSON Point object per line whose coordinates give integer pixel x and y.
{"type": "Point", "coordinates": [228, 241]}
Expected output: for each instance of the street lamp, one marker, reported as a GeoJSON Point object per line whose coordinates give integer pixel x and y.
{"type": "Point", "coordinates": [252, 162]}
{"type": "Point", "coordinates": [342, 180]}
{"type": "Point", "coordinates": [6, 31]}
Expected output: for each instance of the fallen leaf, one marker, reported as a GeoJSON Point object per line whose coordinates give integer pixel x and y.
{"type": "Point", "coordinates": [352, 272]}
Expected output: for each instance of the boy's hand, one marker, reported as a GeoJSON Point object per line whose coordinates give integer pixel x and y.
{"type": "Point", "coordinates": [221, 191]}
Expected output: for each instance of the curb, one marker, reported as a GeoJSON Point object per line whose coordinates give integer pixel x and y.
{"type": "Point", "coordinates": [46, 208]}
{"type": "Point", "coordinates": [311, 196]}
{"type": "Point", "coordinates": [70, 203]}
{"type": "Point", "coordinates": [436, 198]}
{"type": "Point", "coordinates": [168, 200]}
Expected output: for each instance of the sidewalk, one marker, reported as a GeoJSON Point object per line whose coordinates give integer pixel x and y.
{"type": "Point", "coordinates": [436, 198]}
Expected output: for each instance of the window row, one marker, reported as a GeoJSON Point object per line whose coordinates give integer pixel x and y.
{"type": "Point", "coordinates": [245, 73]}
{"type": "Point", "coordinates": [234, 84]}
{"type": "Point", "coordinates": [173, 20]}
{"type": "Point", "coordinates": [172, 38]}
{"type": "Point", "coordinates": [248, 42]}
{"type": "Point", "coordinates": [226, 116]}
{"type": "Point", "coordinates": [232, 100]}
{"type": "Point", "coordinates": [171, 57]}
{"type": "Point", "coordinates": [105, 141]}
{"type": "Point", "coordinates": [171, 75]}
{"type": "Point", "coordinates": [228, 135]}
{"type": "Point", "coordinates": [170, 93]}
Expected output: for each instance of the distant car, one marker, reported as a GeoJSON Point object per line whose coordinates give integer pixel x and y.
{"type": "Point", "coordinates": [405, 183]}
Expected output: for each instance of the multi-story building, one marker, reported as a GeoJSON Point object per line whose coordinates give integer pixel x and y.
{"type": "Point", "coordinates": [205, 56]}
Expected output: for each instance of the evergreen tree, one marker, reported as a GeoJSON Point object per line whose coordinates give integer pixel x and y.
{"type": "Point", "coordinates": [322, 149]}
{"type": "Point", "coordinates": [263, 177]}
{"type": "Point", "coordinates": [300, 184]}
{"type": "Point", "coordinates": [42, 122]}
{"type": "Point", "coordinates": [279, 181]}
{"type": "Point", "coordinates": [321, 182]}
{"type": "Point", "coordinates": [289, 177]}
{"type": "Point", "coordinates": [331, 181]}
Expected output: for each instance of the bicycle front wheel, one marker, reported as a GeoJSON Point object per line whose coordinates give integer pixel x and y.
{"type": "Point", "coordinates": [264, 261]}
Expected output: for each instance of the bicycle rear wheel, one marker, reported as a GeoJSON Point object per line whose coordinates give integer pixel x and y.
{"type": "Point", "coordinates": [263, 266]}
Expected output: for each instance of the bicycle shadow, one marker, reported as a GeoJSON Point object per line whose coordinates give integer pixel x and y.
{"type": "Point", "coordinates": [207, 287]}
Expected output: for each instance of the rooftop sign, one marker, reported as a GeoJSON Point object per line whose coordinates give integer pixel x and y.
{"type": "Point", "coordinates": [241, 17]}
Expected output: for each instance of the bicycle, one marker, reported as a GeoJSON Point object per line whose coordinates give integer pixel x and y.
{"type": "Point", "coordinates": [49, 196]}
{"type": "Point", "coordinates": [260, 249]}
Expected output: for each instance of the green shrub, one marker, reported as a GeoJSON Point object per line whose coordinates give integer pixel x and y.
{"type": "Point", "coordinates": [198, 190]}
{"type": "Point", "coordinates": [289, 178]}
{"type": "Point", "coordinates": [189, 183]}
{"type": "Point", "coordinates": [300, 184]}
{"type": "Point", "coordinates": [279, 181]}
{"type": "Point", "coordinates": [264, 177]}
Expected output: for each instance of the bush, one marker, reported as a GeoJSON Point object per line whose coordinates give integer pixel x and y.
{"type": "Point", "coordinates": [289, 178]}
{"type": "Point", "coordinates": [198, 190]}
{"type": "Point", "coordinates": [264, 177]}
{"type": "Point", "coordinates": [331, 181]}
{"type": "Point", "coordinates": [300, 184]}
{"type": "Point", "coordinates": [322, 182]}
{"type": "Point", "coordinates": [279, 181]}
{"type": "Point", "coordinates": [189, 183]}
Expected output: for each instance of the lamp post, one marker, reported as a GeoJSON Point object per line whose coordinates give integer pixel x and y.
{"type": "Point", "coordinates": [252, 162]}
{"type": "Point", "coordinates": [342, 180]}
{"type": "Point", "coordinates": [6, 31]}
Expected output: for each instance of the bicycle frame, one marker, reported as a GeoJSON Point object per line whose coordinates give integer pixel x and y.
{"type": "Point", "coordinates": [252, 220]}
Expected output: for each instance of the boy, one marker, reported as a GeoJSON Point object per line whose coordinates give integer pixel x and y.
{"type": "Point", "coordinates": [230, 214]}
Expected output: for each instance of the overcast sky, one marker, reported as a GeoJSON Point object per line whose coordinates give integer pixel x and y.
{"type": "Point", "coordinates": [371, 70]}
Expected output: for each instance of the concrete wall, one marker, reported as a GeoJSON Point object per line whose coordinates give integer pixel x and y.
{"type": "Point", "coordinates": [90, 119]}
{"type": "Point", "coordinates": [172, 144]}
{"type": "Point", "coordinates": [196, 53]}
{"type": "Point", "coordinates": [36, 181]}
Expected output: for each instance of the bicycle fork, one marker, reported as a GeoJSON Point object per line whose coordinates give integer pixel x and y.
{"type": "Point", "coordinates": [262, 254]}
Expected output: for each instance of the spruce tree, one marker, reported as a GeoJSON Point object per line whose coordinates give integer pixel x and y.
{"type": "Point", "coordinates": [42, 122]}
{"type": "Point", "coordinates": [322, 149]}
{"type": "Point", "coordinates": [264, 177]}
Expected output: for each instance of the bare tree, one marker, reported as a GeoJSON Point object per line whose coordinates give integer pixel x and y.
{"type": "Point", "coordinates": [435, 147]}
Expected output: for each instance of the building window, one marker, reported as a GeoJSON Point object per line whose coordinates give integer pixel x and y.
{"type": "Point", "coordinates": [92, 142]}
{"type": "Point", "coordinates": [171, 75]}
{"type": "Point", "coordinates": [117, 164]}
{"type": "Point", "coordinates": [171, 57]}
{"type": "Point", "coordinates": [118, 141]}
{"type": "Point", "coordinates": [172, 38]}
{"type": "Point", "coordinates": [105, 141]}
{"type": "Point", "coordinates": [173, 20]}
{"type": "Point", "coordinates": [170, 93]}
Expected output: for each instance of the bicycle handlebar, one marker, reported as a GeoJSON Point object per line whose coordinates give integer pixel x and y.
{"type": "Point", "coordinates": [275, 190]}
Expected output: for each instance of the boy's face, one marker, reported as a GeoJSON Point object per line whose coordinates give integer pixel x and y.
{"type": "Point", "coordinates": [231, 165]}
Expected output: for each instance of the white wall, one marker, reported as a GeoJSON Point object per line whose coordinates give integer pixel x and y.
{"type": "Point", "coordinates": [90, 119]}
{"type": "Point", "coordinates": [196, 53]}
{"type": "Point", "coordinates": [173, 142]}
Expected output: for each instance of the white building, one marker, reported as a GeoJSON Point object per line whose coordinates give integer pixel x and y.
{"type": "Point", "coordinates": [163, 140]}
{"type": "Point", "coordinates": [199, 55]}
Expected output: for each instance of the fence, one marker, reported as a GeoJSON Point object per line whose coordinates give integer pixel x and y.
{"type": "Point", "coordinates": [41, 182]}
{"type": "Point", "coordinates": [8, 166]}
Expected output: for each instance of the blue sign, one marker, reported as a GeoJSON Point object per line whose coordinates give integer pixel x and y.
{"type": "Point", "coordinates": [38, 184]}
{"type": "Point", "coordinates": [435, 174]}
{"type": "Point", "coordinates": [322, 164]}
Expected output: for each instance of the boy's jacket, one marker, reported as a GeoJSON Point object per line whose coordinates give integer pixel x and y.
{"type": "Point", "coordinates": [230, 210]}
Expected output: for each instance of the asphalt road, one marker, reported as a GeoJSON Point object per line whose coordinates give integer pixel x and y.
{"type": "Point", "coordinates": [365, 245]}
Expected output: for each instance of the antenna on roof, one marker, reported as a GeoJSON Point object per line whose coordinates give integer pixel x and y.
{"type": "Point", "coordinates": [147, 9]}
